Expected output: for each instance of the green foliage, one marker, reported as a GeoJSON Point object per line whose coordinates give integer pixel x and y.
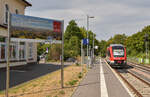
{"type": "Point", "coordinates": [73, 82]}
{"type": "Point", "coordinates": [54, 52]}
{"type": "Point", "coordinates": [80, 75]}
{"type": "Point", "coordinates": [72, 47]}
{"type": "Point", "coordinates": [77, 64]}
{"type": "Point", "coordinates": [72, 39]}
{"type": "Point", "coordinates": [117, 39]}
{"type": "Point", "coordinates": [103, 47]}
{"type": "Point", "coordinates": [73, 30]}
{"type": "Point", "coordinates": [41, 48]}
{"type": "Point", "coordinates": [62, 92]}
{"type": "Point", "coordinates": [135, 43]}
{"type": "Point", "coordinates": [72, 43]}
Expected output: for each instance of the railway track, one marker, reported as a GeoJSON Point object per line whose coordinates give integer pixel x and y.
{"type": "Point", "coordinates": [140, 71]}
{"type": "Point", "coordinates": [147, 68]}
{"type": "Point", "coordinates": [137, 85]}
{"type": "Point", "coordinates": [137, 78]}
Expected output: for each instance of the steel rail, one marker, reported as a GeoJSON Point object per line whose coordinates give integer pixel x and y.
{"type": "Point", "coordinates": [140, 66]}
{"type": "Point", "coordinates": [142, 80]}
{"type": "Point", "coordinates": [129, 85]}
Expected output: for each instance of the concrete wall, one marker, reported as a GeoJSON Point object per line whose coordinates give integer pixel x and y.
{"type": "Point", "coordinates": [13, 5]}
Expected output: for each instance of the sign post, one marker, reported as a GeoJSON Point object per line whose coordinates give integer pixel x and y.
{"type": "Point", "coordinates": [62, 57]}
{"type": "Point", "coordinates": [8, 53]}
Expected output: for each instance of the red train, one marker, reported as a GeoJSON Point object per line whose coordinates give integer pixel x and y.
{"type": "Point", "coordinates": [116, 55]}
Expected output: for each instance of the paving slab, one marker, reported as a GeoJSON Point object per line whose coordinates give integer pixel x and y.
{"type": "Point", "coordinates": [101, 79]}
{"type": "Point", "coordinates": [90, 85]}
{"type": "Point", "coordinates": [114, 86]}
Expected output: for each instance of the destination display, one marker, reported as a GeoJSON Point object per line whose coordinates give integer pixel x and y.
{"type": "Point", "coordinates": [118, 52]}
{"type": "Point", "coordinates": [35, 27]}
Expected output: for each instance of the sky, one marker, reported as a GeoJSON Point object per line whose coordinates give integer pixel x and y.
{"type": "Point", "coordinates": [110, 16]}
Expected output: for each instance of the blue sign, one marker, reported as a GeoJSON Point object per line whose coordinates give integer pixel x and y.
{"type": "Point", "coordinates": [85, 41]}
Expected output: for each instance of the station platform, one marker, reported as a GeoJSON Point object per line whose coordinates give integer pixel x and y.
{"type": "Point", "coordinates": [101, 81]}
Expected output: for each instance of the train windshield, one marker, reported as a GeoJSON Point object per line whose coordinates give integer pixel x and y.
{"type": "Point", "coordinates": [118, 51]}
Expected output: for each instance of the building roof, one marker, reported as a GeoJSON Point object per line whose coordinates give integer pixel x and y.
{"type": "Point", "coordinates": [28, 4]}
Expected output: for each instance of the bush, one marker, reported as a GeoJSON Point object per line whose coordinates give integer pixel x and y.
{"type": "Point", "coordinates": [77, 64]}
{"type": "Point", "coordinates": [73, 82]}
{"type": "Point", "coordinates": [80, 75]}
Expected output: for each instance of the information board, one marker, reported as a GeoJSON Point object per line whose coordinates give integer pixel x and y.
{"type": "Point", "coordinates": [35, 27]}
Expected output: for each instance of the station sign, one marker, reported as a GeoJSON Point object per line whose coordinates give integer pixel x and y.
{"type": "Point", "coordinates": [85, 41]}
{"type": "Point", "coordinates": [30, 27]}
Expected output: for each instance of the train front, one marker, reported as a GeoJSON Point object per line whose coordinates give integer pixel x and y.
{"type": "Point", "coordinates": [118, 58]}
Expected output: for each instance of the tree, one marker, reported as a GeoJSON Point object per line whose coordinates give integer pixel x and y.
{"type": "Point", "coordinates": [54, 52]}
{"type": "Point", "coordinates": [72, 48]}
{"type": "Point", "coordinates": [72, 40]}
{"type": "Point", "coordinates": [103, 47]}
{"type": "Point", "coordinates": [73, 30]}
{"type": "Point", "coordinates": [73, 36]}
{"type": "Point", "coordinates": [135, 44]}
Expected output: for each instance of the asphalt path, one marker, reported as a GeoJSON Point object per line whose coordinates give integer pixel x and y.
{"type": "Point", "coordinates": [26, 73]}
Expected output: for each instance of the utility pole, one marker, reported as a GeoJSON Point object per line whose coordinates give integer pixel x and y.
{"type": "Point", "coordinates": [88, 38]}
{"type": "Point", "coordinates": [93, 50]}
{"type": "Point", "coordinates": [87, 41]}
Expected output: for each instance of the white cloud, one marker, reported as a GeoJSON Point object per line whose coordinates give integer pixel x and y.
{"type": "Point", "coordinates": [111, 16]}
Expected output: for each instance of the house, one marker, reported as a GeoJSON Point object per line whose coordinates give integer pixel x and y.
{"type": "Point", "coordinates": [21, 52]}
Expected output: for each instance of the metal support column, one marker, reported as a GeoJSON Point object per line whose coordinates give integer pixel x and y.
{"type": "Point", "coordinates": [8, 53]}
{"type": "Point", "coordinates": [62, 57]}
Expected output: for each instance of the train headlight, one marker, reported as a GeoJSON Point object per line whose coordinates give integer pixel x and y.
{"type": "Point", "coordinates": [112, 62]}
{"type": "Point", "coordinates": [125, 62]}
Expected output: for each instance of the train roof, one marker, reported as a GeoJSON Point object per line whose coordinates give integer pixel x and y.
{"type": "Point", "coordinates": [116, 45]}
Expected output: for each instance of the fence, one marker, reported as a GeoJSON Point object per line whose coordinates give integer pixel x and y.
{"type": "Point", "coordinates": [139, 60]}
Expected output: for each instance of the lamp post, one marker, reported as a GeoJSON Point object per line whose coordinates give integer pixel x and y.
{"type": "Point", "coordinates": [88, 36]}
{"type": "Point", "coordinates": [93, 50]}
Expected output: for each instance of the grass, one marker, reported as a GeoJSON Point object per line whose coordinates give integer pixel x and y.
{"type": "Point", "coordinates": [62, 92]}
{"type": "Point", "coordinates": [34, 85]}
{"type": "Point", "coordinates": [50, 84]}
{"type": "Point", "coordinates": [73, 82]}
{"type": "Point", "coordinates": [80, 75]}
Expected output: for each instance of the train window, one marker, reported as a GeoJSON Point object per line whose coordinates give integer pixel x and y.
{"type": "Point", "coordinates": [108, 53]}
{"type": "Point", "coordinates": [118, 51]}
